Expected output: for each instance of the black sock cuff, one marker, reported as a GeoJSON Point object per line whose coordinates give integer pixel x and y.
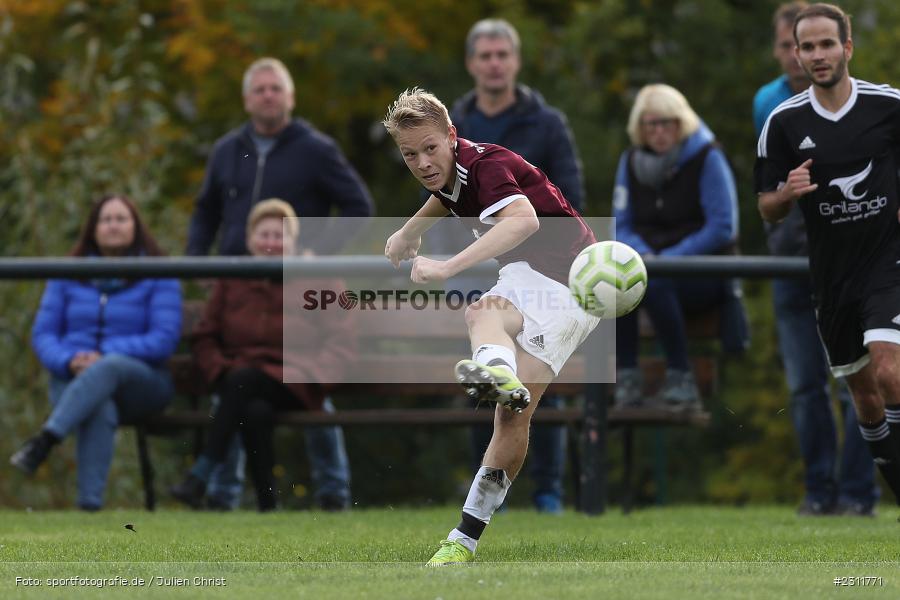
{"type": "Point", "coordinates": [471, 526]}
{"type": "Point", "coordinates": [499, 362]}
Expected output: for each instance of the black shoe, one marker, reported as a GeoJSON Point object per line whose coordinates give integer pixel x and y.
{"type": "Point", "coordinates": [333, 504]}
{"type": "Point", "coordinates": [811, 508]}
{"type": "Point", "coordinates": [679, 392]}
{"type": "Point", "coordinates": [218, 505]}
{"type": "Point", "coordinates": [190, 491]}
{"type": "Point", "coordinates": [31, 455]}
{"type": "Point", "coordinates": [628, 389]}
{"type": "Point", "coordinates": [854, 509]}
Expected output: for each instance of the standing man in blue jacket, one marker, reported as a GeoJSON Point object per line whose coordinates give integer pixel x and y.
{"type": "Point", "coordinates": [277, 156]}
{"type": "Point", "coordinates": [851, 489]}
{"type": "Point", "coordinates": [273, 156]}
{"type": "Point", "coordinates": [500, 111]}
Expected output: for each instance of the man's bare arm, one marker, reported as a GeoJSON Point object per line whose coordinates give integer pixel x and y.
{"type": "Point", "coordinates": [424, 218]}
{"type": "Point", "coordinates": [404, 243]}
{"type": "Point", "coordinates": [515, 223]}
{"type": "Point", "coordinates": [775, 206]}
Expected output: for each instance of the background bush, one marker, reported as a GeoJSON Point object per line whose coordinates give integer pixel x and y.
{"type": "Point", "coordinates": [129, 95]}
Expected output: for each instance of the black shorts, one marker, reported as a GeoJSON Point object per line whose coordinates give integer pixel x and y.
{"type": "Point", "coordinates": [848, 329]}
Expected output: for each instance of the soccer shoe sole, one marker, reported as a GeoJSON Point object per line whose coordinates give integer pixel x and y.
{"type": "Point", "coordinates": [480, 385]}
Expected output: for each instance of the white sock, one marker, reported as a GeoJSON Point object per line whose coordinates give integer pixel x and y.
{"type": "Point", "coordinates": [485, 496]}
{"type": "Point", "coordinates": [487, 493]}
{"type": "Point", "coordinates": [459, 536]}
{"type": "Point", "coordinates": [486, 353]}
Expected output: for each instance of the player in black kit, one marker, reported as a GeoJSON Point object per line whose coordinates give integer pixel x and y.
{"type": "Point", "coordinates": [831, 150]}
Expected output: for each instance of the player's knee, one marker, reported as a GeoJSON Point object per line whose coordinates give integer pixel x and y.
{"type": "Point", "coordinates": [887, 377]}
{"type": "Point", "coordinates": [477, 312]}
{"type": "Point", "coordinates": [471, 315]}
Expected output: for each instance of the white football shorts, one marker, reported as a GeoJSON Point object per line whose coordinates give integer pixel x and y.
{"type": "Point", "coordinates": [554, 326]}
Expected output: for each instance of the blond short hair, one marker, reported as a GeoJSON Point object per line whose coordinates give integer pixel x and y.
{"type": "Point", "coordinates": [268, 64]}
{"type": "Point", "coordinates": [668, 103]}
{"type": "Point", "coordinates": [416, 107]}
{"type": "Point", "coordinates": [274, 208]}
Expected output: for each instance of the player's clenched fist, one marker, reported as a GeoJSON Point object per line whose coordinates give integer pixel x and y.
{"type": "Point", "coordinates": [425, 270]}
{"type": "Point", "coordinates": [399, 247]}
{"type": "Point", "coordinates": [799, 182]}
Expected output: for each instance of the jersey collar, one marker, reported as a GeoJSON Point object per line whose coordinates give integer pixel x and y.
{"type": "Point", "coordinates": [827, 114]}
{"type": "Point", "coordinates": [457, 186]}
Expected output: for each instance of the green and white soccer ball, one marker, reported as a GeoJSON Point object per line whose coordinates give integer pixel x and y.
{"type": "Point", "coordinates": [608, 279]}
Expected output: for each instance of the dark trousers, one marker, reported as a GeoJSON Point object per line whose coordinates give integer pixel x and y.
{"type": "Point", "coordinates": [249, 401]}
{"type": "Point", "coordinates": [666, 302]}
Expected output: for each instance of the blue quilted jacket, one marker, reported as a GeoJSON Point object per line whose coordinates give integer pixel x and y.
{"type": "Point", "coordinates": [141, 320]}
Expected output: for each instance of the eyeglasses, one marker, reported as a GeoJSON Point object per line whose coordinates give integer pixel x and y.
{"type": "Point", "coordinates": [658, 123]}
{"type": "Point", "coordinates": [118, 219]}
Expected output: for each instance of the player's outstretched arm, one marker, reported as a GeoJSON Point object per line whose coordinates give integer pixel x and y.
{"type": "Point", "coordinates": [515, 223]}
{"type": "Point", "coordinates": [404, 243]}
{"type": "Point", "coordinates": [775, 206]}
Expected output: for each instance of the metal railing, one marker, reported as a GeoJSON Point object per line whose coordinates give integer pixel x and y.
{"type": "Point", "coordinates": [593, 468]}
{"type": "Point", "coordinates": [348, 266]}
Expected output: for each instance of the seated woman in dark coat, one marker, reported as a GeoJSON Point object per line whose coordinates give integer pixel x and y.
{"type": "Point", "coordinates": [239, 348]}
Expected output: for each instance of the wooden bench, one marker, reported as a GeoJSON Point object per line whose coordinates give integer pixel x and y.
{"type": "Point", "coordinates": [447, 329]}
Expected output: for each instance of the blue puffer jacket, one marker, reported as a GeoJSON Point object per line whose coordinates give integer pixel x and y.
{"type": "Point", "coordinates": [142, 320]}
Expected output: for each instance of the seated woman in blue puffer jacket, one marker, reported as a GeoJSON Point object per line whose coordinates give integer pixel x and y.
{"type": "Point", "coordinates": [105, 343]}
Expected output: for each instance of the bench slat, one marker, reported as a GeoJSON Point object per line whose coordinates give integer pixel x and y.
{"type": "Point", "coordinates": [438, 417]}
{"type": "Point", "coordinates": [437, 376]}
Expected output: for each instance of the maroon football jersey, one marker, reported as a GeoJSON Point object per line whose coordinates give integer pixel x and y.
{"type": "Point", "coordinates": [489, 178]}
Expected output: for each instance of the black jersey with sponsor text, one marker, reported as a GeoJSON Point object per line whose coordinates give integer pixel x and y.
{"type": "Point", "coordinates": [489, 178]}
{"type": "Point", "coordinates": [852, 217]}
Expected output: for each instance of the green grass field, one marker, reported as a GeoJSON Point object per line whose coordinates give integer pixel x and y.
{"type": "Point", "coordinates": [688, 552]}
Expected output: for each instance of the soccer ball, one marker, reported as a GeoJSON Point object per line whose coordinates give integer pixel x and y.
{"type": "Point", "coordinates": [608, 279]}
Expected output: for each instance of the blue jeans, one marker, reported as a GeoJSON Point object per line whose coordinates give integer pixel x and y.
{"type": "Point", "coordinates": [226, 482]}
{"type": "Point", "coordinates": [329, 466]}
{"type": "Point", "coordinates": [806, 367]}
{"type": "Point", "coordinates": [114, 390]}
{"type": "Point", "coordinates": [666, 302]}
{"type": "Point", "coordinates": [548, 456]}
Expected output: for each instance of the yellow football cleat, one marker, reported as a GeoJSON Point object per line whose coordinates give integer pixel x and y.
{"type": "Point", "coordinates": [492, 384]}
{"type": "Point", "coordinates": [451, 552]}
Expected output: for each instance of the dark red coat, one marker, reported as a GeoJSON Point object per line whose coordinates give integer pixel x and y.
{"type": "Point", "coordinates": [243, 326]}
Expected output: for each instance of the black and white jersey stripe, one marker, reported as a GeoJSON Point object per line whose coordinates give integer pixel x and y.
{"type": "Point", "coordinates": [792, 102]}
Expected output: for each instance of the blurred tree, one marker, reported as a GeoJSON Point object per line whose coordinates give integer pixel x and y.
{"type": "Point", "coordinates": [129, 95]}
